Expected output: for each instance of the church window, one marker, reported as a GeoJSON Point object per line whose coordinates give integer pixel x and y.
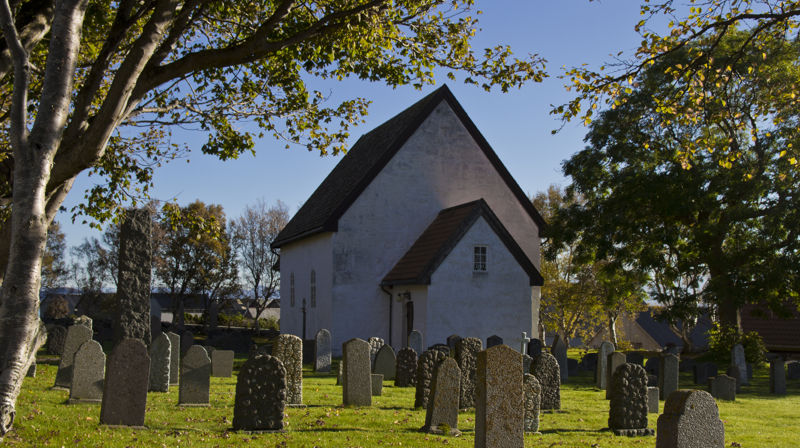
{"type": "Point", "coordinates": [479, 259]}
{"type": "Point", "coordinates": [313, 289]}
{"type": "Point", "coordinates": [291, 289]}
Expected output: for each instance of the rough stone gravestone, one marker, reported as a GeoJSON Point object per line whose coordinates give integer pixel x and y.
{"type": "Point", "coordinates": [493, 340]}
{"type": "Point", "coordinates": [452, 340]}
{"type": "Point", "coordinates": [56, 337]}
{"type": "Point", "coordinates": [444, 348]}
{"type": "Point", "coordinates": [738, 360]}
{"type": "Point", "coordinates": [467, 359]}
{"type": "Point", "coordinates": [559, 351]}
{"type": "Point", "coordinates": [260, 395]}
{"type": "Point", "coordinates": [376, 382]}
{"type": "Point", "coordinates": [526, 363]}
{"type": "Point", "coordinates": [668, 377]}
{"type": "Point", "coordinates": [614, 361]}
{"type": "Point", "coordinates": [76, 336]}
{"type": "Point", "coordinates": [125, 386]}
{"type": "Point", "coordinates": [534, 347]}
{"type": "Point", "coordinates": [690, 420]}
{"type": "Point", "coordinates": [132, 311]}
{"type": "Point", "coordinates": [187, 341]}
{"type": "Point", "coordinates": [722, 387]}
{"type": "Point", "coordinates": [793, 369]}
{"type": "Point", "coordinates": [222, 363]}
{"type": "Point", "coordinates": [385, 362]}
{"type": "Point", "coordinates": [322, 351]}
{"type": "Point", "coordinates": [441, 416]}
{"type": "Point", "coordinates": [174, 357]}
{"type": "Point", "coordinates": [777, 377]}
{"type": "Point", "coordinates": [289, 349]}
{"type": "Point", "coordinates": [702, 371]}
{"type": "Point", "coordinates": [195, 380]}
{"type": "Point", "coordinates": [627, 415]}
{"type": "Point", "coordinates": [652, 400]}
{"type": "Point", "coordinates": [499, 398]}
{"type": "Point", "coordinates": [160, 363]}
{"type": "Point", "coordinates": [406, 368]}
{"type": "Point", "coordinates": [545, 369]}
{"type": "Point", "coordinates": [356, 381]}
{"type": "Point", "coordinates": [415, 341]}
{"type": "Point", "coordinates": [533, 397]}
{"type": "Point", "coordinates": [375, 344]}
{"type": "Point", "coordinates": [88, 372]}
{"type": "Point", "coordinates": [601, 372]}
{"type": "Point", "coordinates": [426, 364]}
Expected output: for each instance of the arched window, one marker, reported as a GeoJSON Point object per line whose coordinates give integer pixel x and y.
{"type": "Point", "coordinates": [291, 289]}
{"type": "Point", "coordinates": [313, 289]}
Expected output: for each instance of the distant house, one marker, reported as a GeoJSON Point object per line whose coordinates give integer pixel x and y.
{"type": "Point", "coordinates": [780, 335]}
{"type": "Point", "coordinates": [419, 226]}
{"type": "Point", "coordinates": [645, 332]}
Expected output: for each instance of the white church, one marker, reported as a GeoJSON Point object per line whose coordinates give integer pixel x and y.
{"type": "Point", "coordinates": [419, 227]}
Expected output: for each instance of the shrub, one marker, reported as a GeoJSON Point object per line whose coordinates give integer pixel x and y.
{"type": "Point", "coordinates": [270, 323]}
{"type": "Point", "coordinates": [722, 339]}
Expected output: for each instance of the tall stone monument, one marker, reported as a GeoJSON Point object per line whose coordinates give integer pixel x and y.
{"type": "Point", "coordinates": [289, 349]}
{"type": "Point", "coordinates": [132, 313]}
{"type": "Point", "coordinates": [601, 371]}
{"type": "Point", "coordinates": [499, 404]}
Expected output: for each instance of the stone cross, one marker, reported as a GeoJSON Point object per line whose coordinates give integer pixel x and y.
{"type": "Point", "coordinates": [442, 409]}
{"type": "Point", "coordinates": [499, 399]}
{"type": "Point", "coordinates": [260, 398]}
{"type": "Point", "coordinates": [125, 386]}
{"type": "Point", "coordinates": [524, 342]}
{"type": "Point", "coordinates": [690, 419]}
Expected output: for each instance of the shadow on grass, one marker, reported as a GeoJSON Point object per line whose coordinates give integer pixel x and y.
{"type": "Point", "coordinates": [337, 429]}
{"type": "Point", "coordinates": [575, 430]}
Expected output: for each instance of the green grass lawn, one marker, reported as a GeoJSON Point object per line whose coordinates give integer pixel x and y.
{"type": "Point", "coordinates": [756, 419]}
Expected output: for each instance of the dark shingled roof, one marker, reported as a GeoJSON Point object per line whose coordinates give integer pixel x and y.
{"type": "Point", "coordinates": [661, 333]}
{"type": "Point", "coordinates": [442, 235]}
{"type": "Point", "coordinates": [779, 334]}
{"type": "Point", "coordinates": [321, 212]}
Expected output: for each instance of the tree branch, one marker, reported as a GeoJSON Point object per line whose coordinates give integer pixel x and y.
{"type": "Point", "coordinates": [19, 115]}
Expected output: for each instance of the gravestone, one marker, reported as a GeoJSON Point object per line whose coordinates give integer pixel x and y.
{"type": "Point", "coordinates": [651, 366]}
{"type": "Point", "coordinates": [322, 351]}
{"type": "Point", "coordinates": [690, 420]}
{"type": "Point", "coordinates": [56, 337]}
{"type": "Point", "coordinates": [668, 377]}
{"type": "Point", "coordinates": [125, 386]}
{"type": "Point", "coordinates": [534, 347]}
{"type": "Point", "coordinates": [652, 380]}
{"type": "Point", "coordinates": [88, 372]}
{"type": "Point", "coordinates": [426, 364]}
{"type": "Point", "coordinates": [289, 349]}
{"type": "Point", "coordinates": [76, 336]}
{"type": "Point", "coordinates": [260, 398]}
{"type": "Point", "coordinates": [572, 366]}
{"type": "Point", "coordinates": [589, 362]}
{"type": "Point", "coordinates": [452, 340]}
{"type": "Point", "coordinates": [222, 363]}
{"type": "Point", "coordinates": [406, 368]}
{"type": "Point", "coordinates": [195, 378]}
{"type": "Point", "coordinates": [155, 325]}
{"type": "Point", "coordinates": [174, 357]}
{"type": "Point", "coordinates": [652, 400]}
{"type": "Point", "coordinates": [615, 360]}
{"type": "Point", "coordinates": [499, 398]}
{"type": "Point", "coordinates": [738, 360]}
{"type": "Point", "coordinates": [533, 397]}
{"type": "Point", "coordinates": [375, 344]}
{"type": "Point", "coordinates": [627, 415]}
{"type": "Point", "coordinates": [415, 341]}
{"type": "Point", "coordinates": [376, 382]}
{"type": "Point", "coordinates": [793, 369]}
{"type": "Point", "coordinates": [467, 359]}
{"type": "Point", "coordinates": [733, 372]}
{"type": "Point", "coordinates": [702, 371]}
{"type": "Point", "coordinates": [635, 358]}
{"type": "Point", "coordinates": [160, 362]}
{"type": "Point", "coordinates": [526, 363]}
{"type": "Point", "coordinates": [385, 362]}
{"type": "Point", "coordinates": [444, 348]}
{"type": "Point", "coordinates": [722, 387]}
{"type": "Point", "coordinates": [441, 416]}
{"type": "Point", "coordinates": [339, 375]}
{"type": "Point", "coordinates": [135, 261]}
{"type": "Point", "coordinates": [493, 340]}
{"type": "Point", "coordinates": [187, 341]}
{"type": "Point", "coordinates": [601, 371]}
{"type": "Point", "coordinates": [777, 377]}
{"type": "Point", "coordinates": [545, 369]}
{"type": "Point", "coordinates": [559, 351]}
{"type": "Point", "coordinates": [356, 381]}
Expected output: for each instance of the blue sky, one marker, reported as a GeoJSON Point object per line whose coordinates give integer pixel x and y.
{"type": "Point", "coordinates": [516, 124]}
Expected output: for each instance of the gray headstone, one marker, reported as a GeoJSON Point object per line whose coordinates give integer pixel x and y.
{"type": "Point", "coordinates": [195, 382]}
{"type": "Point", "coordinates": [187, 341]}
{"type": "Point", "coordinates": [545, 369]}
{"type": "Point", "coordinates": [652, 400]}
{"type": "Point", "coordinates": [793, 369]}
{"type": "Point", "coordinates": [289, 349]}
{"type": "Point", "coordinates": [174, 357]}
{"type": "Point", "coordinates": [76, 336]}
{"type": "Point", "coordinates": [356, 381]}
{"type": "Point", "coordinates": [88, 372]}
{"type": "Point", "coordinates": [56, 337]}
{"type": "Point", "coordinates": [260, 395]}
{"type": "Point", "coordinates": [125, 387]}
{"type": "Point", "coordinates": [615, 360]}
{"type": "Point", "coordinates": [533, 397]}
{"type": "Point", "coordinates": [722, 387]}
{"type": "Point", "coordinates": [441, 415]}
{"type": "Point", "coordinates": [777, 377]}
{"type": "Point", "coordinates": [375, 344]}
{"type": "Point", "coordinates": [376, 382]}
{"type": "Point", "coordinates": [534, 347]}
{"type": "Point", "coordinates": [135, 262]}
{"type": "Point", "coordinates": [406, 368]}
{"type": "Point", "coordinates": [702, 371]}
{"type": "Point", "coordinates": [160, 362]}
{"type": "Point", "coordinates": [467, 359]}
{"type": "Point", "coordinates": [628, 409]}
{"type": "Point", "coordinates": [668, 377]}
{"type": "Point", "coordinates": [385, 362]}
{"type": "Point", "coordinates": [322, 351]}
{"type": "Point", "coordinates": [493, 340]}
{"type": "Point", "coordinates": [426, 364]}
{"type": "Point", "coordinates": [499, 398]}
{"type": "Point", "coordinates": [690, 420]}
{"type": "Point", "coordinates": [601, 373]}
{"type": "Point", "coordinates": [738, 360]}
{"type": "Point", "coordinates": [415, 341]}
{"type": "Point", "coordinates": [559, 351]}
{"type": "Point", "coordinates": [222, 363]}
{"type": "Point", "coordinates": [452, 340]}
